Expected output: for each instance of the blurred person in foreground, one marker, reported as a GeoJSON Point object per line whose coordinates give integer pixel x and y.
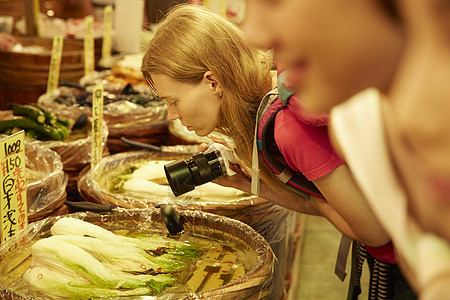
{"type": "Point", "coordinates": [387, 62]}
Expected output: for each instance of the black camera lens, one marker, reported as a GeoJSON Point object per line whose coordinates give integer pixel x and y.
{"type": "Point", "coordinates": [184, 175]}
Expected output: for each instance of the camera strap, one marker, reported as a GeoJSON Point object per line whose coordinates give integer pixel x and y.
{"type": "Point", "coordinates": [264, 105]}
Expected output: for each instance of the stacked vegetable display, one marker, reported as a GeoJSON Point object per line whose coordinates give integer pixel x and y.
{"type": "Point", "coordinates": [37, 122]}
{"type": "Point", "coordinates": [71, 94]}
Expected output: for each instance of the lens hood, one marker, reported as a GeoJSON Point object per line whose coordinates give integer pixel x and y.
{"type": "Point", "coordinates": [179, 177]}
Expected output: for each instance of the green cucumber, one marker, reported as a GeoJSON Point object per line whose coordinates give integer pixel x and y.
{"type": "Point", "coordinates": [29, 111]}
{"type": "Point", "coordinates": [32, 134]}
{"type": "Point", "coordinates": [63, 129]}
{"type": "Point", "coordinates": [51, 132]}
{"type": "Point", "coordinates": [50, 118]}
{"type": "Point", "coordinates": [63, 121]}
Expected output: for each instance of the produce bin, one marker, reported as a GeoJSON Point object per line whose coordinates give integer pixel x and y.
{"type": "Point", "coordinates": [251, 251]}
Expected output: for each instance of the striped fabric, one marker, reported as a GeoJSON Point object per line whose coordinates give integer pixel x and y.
{"type": "Point", "coordinates": [381, 279]}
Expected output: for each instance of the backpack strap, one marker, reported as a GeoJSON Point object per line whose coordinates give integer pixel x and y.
{"type": "Point", "coordinates": [268, 99]}
{"type": "Point", "coordinates": [294, 181]}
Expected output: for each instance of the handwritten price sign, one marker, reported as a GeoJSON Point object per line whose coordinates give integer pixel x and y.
{"type": "Point", "coordinates": [13, 190]}
{"type": "Point", "coordinates": [89, 47]}
{"type": "Point", "coordinates": [108, 22]}
{"type": "Point", "coordinates": [55, 64]}
{"type": "Point", "coordinates": [97, 116]}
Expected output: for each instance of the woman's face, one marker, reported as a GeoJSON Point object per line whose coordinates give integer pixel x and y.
{"type": "Point", "coordinates": [335, 47]}
{"type": "Point", "coordinates": [194, 104]}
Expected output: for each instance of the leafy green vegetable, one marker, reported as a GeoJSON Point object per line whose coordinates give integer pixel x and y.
{"type": "Point", "coordinates": [78, 227]}
{"type": "Point", "coordinates": [119, 179]}
{"type": "Point", "coordinates": [83, 260]}
{"type": "Point", "coordinates": [59, 284]}
{"type": "Point", "coordinates": [186, 252]}
{"type": "Point", "coordinates": [128, 258]}
{"type": "Point", "coordinates": [61, 255]}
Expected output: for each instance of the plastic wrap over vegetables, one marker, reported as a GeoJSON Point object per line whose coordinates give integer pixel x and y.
{"type": "Point", "coordinates": [120, 110]}
{"type": "Point", "coordinates": [70, 137]}
{"type": "Point", "coordinates": [137, 179]}
{"type": "Point", "coordinates": [46, 181]}
{"type": "Point", "coordinates": [128, 253]}
{"type": "Point", "coordinates": [76, 152]}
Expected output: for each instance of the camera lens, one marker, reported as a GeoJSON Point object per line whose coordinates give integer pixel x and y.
{"type": "Point", "coordinates": [184, 175]}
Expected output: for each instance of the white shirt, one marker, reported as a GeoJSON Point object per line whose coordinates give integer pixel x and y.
{"type": "Point", "coordinates": [359, 130]}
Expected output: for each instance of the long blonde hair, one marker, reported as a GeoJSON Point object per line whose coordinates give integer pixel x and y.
{"type": "Point", "coordinates": [191, 41]}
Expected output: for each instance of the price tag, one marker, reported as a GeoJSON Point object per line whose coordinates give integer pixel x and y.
{"type": "Point", "coordinates": [55, 63]}
{"type": "Point", "coordinates": [37, 17]}
{"type": "Point", "coordinates": [13, 191]}
{"type": "Point", "coordinates": [107, 23]}
{"type": "Point", "coordinates": [97, 115]}
{"type": "Point", "coordinates": [89, 54]}
{"type": "Point", "coordinates": [223, 9]}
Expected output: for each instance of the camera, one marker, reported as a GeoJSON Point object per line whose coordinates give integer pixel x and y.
{"type": "Point", "coordinates": [185, 174]}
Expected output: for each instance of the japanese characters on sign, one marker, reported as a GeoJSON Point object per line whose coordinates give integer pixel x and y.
{"type": "Point", "coordinates": [108, 21]}
{"type": "Point", "coordinates": [13, 191]}
{"type": "Point", "coordinates": [97, 116]}
{"type": "Point", "coordinates": [89, 47]}
{"type": "Point", "coordinates": [55, 63]}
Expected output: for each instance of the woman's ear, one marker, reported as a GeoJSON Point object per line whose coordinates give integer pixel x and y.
{"type": "Point", "coordinates": [211, 80]}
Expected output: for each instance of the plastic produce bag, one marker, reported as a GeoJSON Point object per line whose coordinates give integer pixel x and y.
{"type": "Point", "coordinates": [46, 181]}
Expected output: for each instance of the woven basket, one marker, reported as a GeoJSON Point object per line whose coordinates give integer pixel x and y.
{"type": "Point", "coordinates": [247, 208]}
{"type": "Point", "coordinates": [268, 219]}
{"type": "Point", "coordinates": [255, 284]}
{"type": "Point", "coordinates": [24, 76]}
{"type": "Point", "coordinates": [46, 188]}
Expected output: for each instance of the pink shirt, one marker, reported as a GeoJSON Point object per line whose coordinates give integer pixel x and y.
{"type": "Point", "coordinates": [306, 147]}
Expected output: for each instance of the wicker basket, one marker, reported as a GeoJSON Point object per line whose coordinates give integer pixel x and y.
{"type": "Point", "coordinates": [255, 284]}
{"type": "Point", "coordinates": [24, 75]}
{"type": "Point", "coordinates": [247, 208]}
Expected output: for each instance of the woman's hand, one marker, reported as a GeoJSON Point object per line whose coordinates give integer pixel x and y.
{"type": "Point", "coordinates": [241, 180]}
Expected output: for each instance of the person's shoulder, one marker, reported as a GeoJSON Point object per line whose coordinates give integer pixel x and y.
{"type": "Point", "coordinates": [288, 126]}
{"type": "Point", "coordinates": [291, 132]}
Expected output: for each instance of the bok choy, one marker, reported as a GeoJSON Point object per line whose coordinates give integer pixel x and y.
{"type": "Point", "coordinates": [83, 260]}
